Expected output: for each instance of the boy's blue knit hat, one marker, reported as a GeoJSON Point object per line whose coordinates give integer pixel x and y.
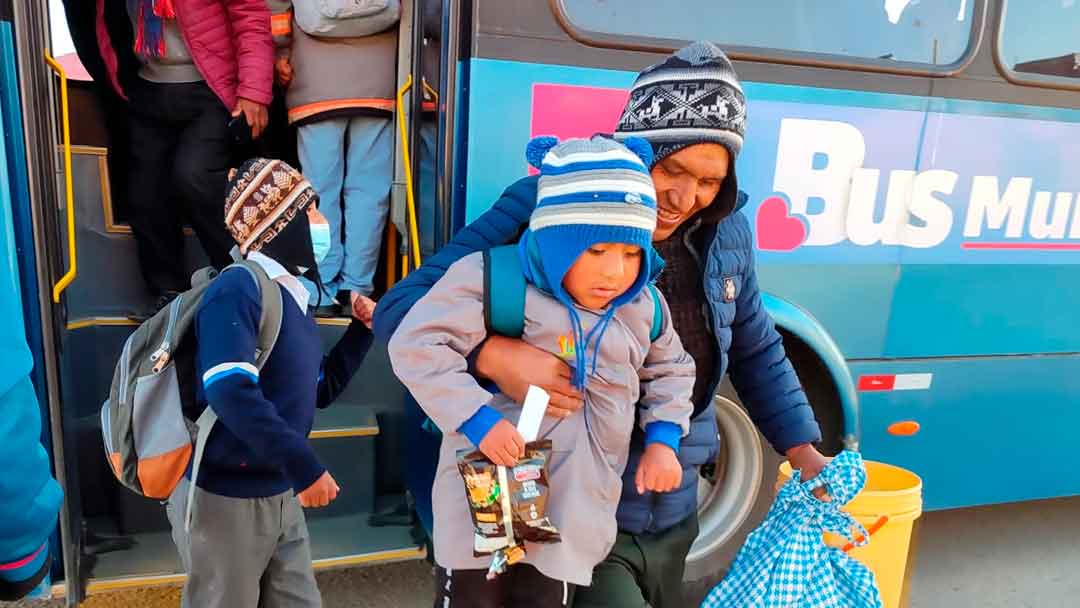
{"type": "Point", "coordinates": [590, 191]}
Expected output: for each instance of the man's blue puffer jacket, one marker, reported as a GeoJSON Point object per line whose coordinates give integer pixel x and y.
{"type": "Point", "coordinates": [749, 347]}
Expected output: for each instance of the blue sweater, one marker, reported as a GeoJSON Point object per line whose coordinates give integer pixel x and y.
{"type": "Point", "coordinates": [29, 496]}
{"type": "Point", "coordinates": [259, 447]}
{"type": "Point", "coordinates": [750, 348]}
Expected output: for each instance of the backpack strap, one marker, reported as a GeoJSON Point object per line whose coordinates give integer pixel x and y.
{"type": "Point", "coordinates": [504, 315]}
{"type": "Point", "coordinates": [269, 330]}
{"type": "Point", "coordinates": [658, 314]}
{"type": "Point", "coordinates": [272, 311]}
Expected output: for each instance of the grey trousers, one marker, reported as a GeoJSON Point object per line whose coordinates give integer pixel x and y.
{"type": "Point", "coordinates": [243, 552]}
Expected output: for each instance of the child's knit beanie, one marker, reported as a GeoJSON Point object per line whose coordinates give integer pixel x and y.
{"type": "Point", "coordinates": [590, 191]}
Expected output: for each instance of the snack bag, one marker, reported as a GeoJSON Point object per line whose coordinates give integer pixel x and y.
{"type": "Point", "coordinates": [508, 505]}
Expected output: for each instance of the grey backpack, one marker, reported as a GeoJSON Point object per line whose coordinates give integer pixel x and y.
{"type": "Point", "coordinates": [149, 436]}
{"type": "Point", "coordinates": [345, 18]}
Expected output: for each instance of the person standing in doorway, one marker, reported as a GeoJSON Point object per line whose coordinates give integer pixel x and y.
{"type": "Point", "coordinates": [340, 96]}
{"type": "Point", "coordinates": [204, 84]}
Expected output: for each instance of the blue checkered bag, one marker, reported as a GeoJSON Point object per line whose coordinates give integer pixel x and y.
{"type": "Point", "coordinates": [785, 563]}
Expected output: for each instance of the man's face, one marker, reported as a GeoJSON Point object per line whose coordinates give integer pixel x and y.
{"type": "Point", "coordinates": [602, 273]}
{"type": "Point", "coordinates": [687, 182]}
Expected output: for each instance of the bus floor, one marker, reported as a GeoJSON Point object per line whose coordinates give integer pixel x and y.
{"type": "Point", "coordinates": [1022, 555]}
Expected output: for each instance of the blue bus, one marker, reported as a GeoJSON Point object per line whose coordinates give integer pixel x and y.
{"type": "Point", "coordinates": [908, 166]}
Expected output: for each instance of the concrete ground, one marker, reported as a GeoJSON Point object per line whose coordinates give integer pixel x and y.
{"type": "Point", "coordinates": [1010, 556]}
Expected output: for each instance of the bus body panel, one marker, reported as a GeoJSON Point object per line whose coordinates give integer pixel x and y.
{"type": "Point", "coordinates": [925, 235]}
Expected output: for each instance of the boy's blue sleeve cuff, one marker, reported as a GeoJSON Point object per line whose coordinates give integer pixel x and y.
{"type": "Point", "coordinates": [667, 433]}
{"type": "Point", "coordinates": [478, 425]}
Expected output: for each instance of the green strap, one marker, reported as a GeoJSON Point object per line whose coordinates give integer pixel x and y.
{"type": "Point", "coordinates": [504, 292]}
{"type": "Point", "coordinates": [658, 315]}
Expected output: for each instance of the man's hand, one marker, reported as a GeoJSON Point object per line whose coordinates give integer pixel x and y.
{"type": "Point", "coordinates": [320, 493]}
{"type": "Point", "coordinates": [503, 444]}
{"type": "Point", "coordinates": [659, 469]}
{"type": "Point", "coordinates": [283, 72]}
{"type": "Point", "coordinates": [809, 462]}
{"type": "Point", "coordinates": [254, 113]}
{"type": "Point", "coordinates": [513, 365]}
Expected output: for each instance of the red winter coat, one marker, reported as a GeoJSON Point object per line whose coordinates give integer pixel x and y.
{"type": "Point", "coordinates": [229, 41]}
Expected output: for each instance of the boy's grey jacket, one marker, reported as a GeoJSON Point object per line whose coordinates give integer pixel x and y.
{"type": "Point", "coordinates": [635, 380]}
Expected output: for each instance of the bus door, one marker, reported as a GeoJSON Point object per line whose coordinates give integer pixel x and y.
{"type": "Point", "coordinates": [114, 539]}
{"type": "Point", "coordinates": [37, 125]}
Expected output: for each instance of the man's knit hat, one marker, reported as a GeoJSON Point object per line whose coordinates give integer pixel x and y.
{"type": "Point", "coordinates": [261, 199]}
{"type": "Point", "coordinates": [692, 97]}
{"type": "Point", "coordinates": [590, 191]}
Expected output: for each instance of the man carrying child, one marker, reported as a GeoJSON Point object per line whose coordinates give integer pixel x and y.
{"type": "Point", "coordinates": [716, 307]}
{"type": "Point", "coordinates": [587, 259]}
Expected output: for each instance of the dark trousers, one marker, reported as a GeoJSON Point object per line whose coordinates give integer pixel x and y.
{"type": "Point", "coordinates": [642, 571]}
{"type": "Point", "coordinates": [521, 586]}
{"type": "Point", "coordinates": [178, 160]}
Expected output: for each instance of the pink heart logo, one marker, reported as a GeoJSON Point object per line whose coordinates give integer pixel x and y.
{"type": "Point", "coordinates": [777, 230]}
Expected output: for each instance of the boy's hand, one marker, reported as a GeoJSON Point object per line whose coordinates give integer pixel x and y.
{"type": "Point", "coordinates": [283, 71]}
{"type": "Point", "coordinates": [503, 444]}
{"type": "Point", "coordinates": [320, 493]}
{"type": "Point", "coordinates": [363, 308]}
{"type": "Point", "coordinates": [513, 365]}
{"type": "Point", "coordinates": [659, 470]}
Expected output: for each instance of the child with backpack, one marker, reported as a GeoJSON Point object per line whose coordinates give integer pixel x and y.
{"type": "Point", "coordinates": [241, 532]}
{"type": "Point", "coordinates": [587, 260]}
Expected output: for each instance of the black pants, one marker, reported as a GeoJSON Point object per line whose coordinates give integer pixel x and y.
{"type": "Point", "coordinates": [179, 158]}
{"type": "Point", "coordinates": [521, 586]}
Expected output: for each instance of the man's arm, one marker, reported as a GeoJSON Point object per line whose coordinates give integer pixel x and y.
{"type": "Point", "coordinates": [763, 375]}
{"type": "Point", "coordinates": [497, 226]}
{"type": "Point", "coordinates": [250, 22]}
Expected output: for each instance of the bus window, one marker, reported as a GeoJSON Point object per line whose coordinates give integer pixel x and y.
{"type": "Point", "coordinates": [931, 32]}
{"type": "Point", "coordinates": [1040, 39]}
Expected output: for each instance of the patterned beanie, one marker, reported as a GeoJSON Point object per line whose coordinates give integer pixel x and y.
{"type": "Point", "coordinates": [692, 97]}
{"type": "Point", "coordinates": [590, 191]}
{"type": "Point", "coordinates": [261, 199]}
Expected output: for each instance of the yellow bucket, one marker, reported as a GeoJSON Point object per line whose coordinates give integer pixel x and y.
{"type": "Point", "coordinates": [887, 507]}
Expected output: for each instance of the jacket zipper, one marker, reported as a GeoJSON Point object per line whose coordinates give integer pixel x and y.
{"type": "Point", "coordinates": [161, 356]}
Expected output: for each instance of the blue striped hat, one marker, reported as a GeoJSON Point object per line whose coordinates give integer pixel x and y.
{"type": "Point", "coordinates": [590, 191]}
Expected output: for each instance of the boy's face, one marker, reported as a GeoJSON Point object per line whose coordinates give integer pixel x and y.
{"type": "Point", "coordinates": [602, 273]}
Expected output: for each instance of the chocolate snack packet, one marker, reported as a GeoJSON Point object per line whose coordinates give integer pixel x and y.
{"type": "Point", "coordinates": [508, 506]}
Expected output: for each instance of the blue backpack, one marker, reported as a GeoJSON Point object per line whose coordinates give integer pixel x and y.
{"type": "Point", "coordinates": [505, 315]}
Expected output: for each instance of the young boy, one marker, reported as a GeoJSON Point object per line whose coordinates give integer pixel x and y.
{"type": "Point", "coordinates": [587, 258]}
{"type": "Point", "coordinates": [248, 543]}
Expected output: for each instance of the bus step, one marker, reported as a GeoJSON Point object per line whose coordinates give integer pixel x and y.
{"type": "Point", "coordinates": [343, 419]}
{"type": "Point", "coordinates": [336, 542]}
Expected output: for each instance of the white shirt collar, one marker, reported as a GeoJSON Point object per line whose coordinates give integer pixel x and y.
{"type": "Point", "coordinates": [278, 274]}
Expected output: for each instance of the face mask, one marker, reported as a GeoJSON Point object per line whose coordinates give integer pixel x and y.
{"type": "Point", "coordinates": [320, 241]}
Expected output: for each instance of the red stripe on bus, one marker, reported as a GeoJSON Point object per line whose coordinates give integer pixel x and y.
{"type": "Point", "coordinates": [877, 383]}
{"type": "Point", "coordinates": [1022, 246]}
